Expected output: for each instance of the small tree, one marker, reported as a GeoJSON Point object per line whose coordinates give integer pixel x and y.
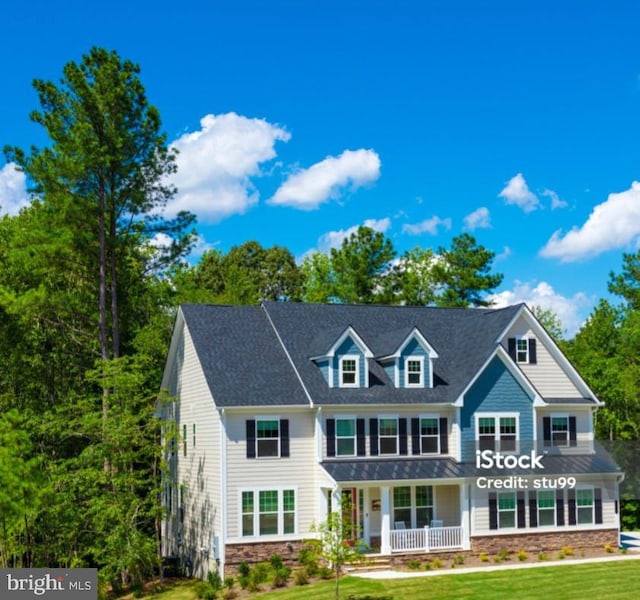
{"type": "Point", "coordinates": [338, 537]}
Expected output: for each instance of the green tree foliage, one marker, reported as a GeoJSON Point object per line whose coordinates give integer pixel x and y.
{"type": "Point", "coordinates": [551, 322]}
{"type": "Point", "coordinates": [463, 273]}
{"type": "Point", "coordinates": [247, 274]}
{"type": "Point", "coordinates": [85, 318]}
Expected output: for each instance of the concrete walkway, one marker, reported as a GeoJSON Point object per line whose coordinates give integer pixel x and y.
{"type": "Point", "coordinates": [519, 565]}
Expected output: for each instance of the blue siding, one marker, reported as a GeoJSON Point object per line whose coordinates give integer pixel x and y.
{"type": "Point", "coordinates": [323, 365]}
{"type": "Point", "coordinates": [390, 370]}
{"type": "Point", "coordinates": [349, 347]}
{"type": "Point", "coordinates": [413, 348]}
{"type": "Point", "coordinates": [495, 391]}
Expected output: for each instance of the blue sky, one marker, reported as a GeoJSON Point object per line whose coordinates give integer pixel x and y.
{"type": "Point", "coordinates": [298, 121]}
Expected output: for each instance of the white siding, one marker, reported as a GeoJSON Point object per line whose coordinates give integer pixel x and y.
{"type": "Point", "coordinates": [547, 376]}
{"type": "Point", "coordinates": [199, 471]}
{"type": "Point", "coordinates": [298, 471]}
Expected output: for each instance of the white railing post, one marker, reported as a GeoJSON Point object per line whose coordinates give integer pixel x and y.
{"type": "Point", "coordinates": [426, 538]}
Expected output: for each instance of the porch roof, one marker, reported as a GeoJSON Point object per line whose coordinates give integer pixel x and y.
{"type": "Point", "coordinates": [389, 470]}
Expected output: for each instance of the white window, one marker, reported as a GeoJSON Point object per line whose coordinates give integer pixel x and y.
{"type": "Point", "coordinates": [388, 435]}
{"type": "Point", "coordinates": [429, 435]}
{"type": "Point", "coordinates": [268, 512]}
{"type": "Point", "coordinates": [560, 430]}
{"type": "Point", "coordinates": [267, 438]}
{"type": "Point", "coordinates": [350, 371]}
{"type": "Point", "coordinates": [506, 510]}
{"type": "Point", "coordinates": [412, 506]}
{"type": "Point", "coordinates": [584, 506]}
{"type": "Point", "coordinates": [522, 350]}
{"type": "Point", "coordinates": [546, 508]}
{"type": "Point", "coordinates": [414, 372]}
{"type": "Point", "coordinates": [497, 432]}
{"type": "Point", "coordinates": [345, 437]}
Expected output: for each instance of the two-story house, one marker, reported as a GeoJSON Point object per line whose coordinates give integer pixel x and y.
{"type": "Point", "coordinates": [444, 429]}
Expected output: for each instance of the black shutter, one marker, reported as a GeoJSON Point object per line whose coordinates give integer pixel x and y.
{"type": "Point", "coordinates": [546, 429]}
{"type": "Point", "coordinates": [559, 507]}
{"type": "Point", "coordinates": [251, 438]}
{"type": "Point", "coordinates": [520, 510]}
{"type": "Point", "coordinates": [402, 430]}
{"type": "Point", "coordinates": [493, 511]}
{"type": "Point", "coordinates": [284, 438]}
{"type": "Point", "coordinates": [415, 436]}
{"type": "Point", "coordinates": [573, 441]}
{"type": "Point", "coordinates": [331, 437]}
{"type": "Point", "coordinates": [533, 356]}
{"type": "Point", "coordinates": [444, 436]}
{"type": "Point", "coordinates": [597, 505]}
{"type": "Point", "coordinates": [571, 503]}
{"type": "Point", "coordinates": [360, 439]}
{"type": "Point", "coordinates": [512, 348]}
{"type": "Point", "coordinates": [373, 437]}
{"type": "Point", "coordinates": [533, 510]}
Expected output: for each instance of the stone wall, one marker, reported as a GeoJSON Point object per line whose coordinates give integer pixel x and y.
{"type": "Point", "coordinates": [545, 542]}
{"type": "Point", "coordinates": [260, 552]}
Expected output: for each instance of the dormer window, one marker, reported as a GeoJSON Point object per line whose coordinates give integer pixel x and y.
{"type": "Point", "coordinates": [523, 350]}
{"type": "Point", "coordinates": [414, 372]}
{"type": "Point", "coordinates": [349, 371]}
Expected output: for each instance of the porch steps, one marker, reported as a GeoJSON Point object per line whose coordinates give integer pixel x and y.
{"type": "Point", "coordinates": [371, 564]}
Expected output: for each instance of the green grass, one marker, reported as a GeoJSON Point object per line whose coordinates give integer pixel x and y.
{"type": "Point", "coordinates": [596, 580]}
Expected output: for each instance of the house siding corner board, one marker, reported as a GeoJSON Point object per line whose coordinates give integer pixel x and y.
{"type": "Point", "coordinates": [297, 471]}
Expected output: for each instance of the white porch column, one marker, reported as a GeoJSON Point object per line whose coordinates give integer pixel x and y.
{"type": "Point", "coordinates": [365, 534]}
{"type": "Point", "coordinates": [465, 516]}
{"type": "Point", "coordinates": [385, 516]}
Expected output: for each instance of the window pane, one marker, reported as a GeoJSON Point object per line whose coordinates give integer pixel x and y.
{"type": "Point", "coordinates": [429, 445]}
{"type": "Point", "coordinates": [247, 513]}
{"type": "Point", "coordinates": [388, 446]}
{"type": "Point", "coordinates": [269, 501]}
{"type": "Point", "coordinates": [424, 516]}
{"type": "Point", "coordinates": [506, 510]}
{"type": "Point", "coordinates": [402, 497]}
{"type": "Point", "coordinates": [388, 426]}
{"type": "Point", "coordinates": [507, 519]}
{"type": "Point", "coordinates": [288, 500]}
{"type": "Point", "coordinates": [506, 501]}
{"type": "Point", "coordinates": [345, 427]}
{"type": "Point", "coordinates": [267, 429]}
{"type": "Point", "coordinates": [414, 372]}
{"type": "Point", "coordinates": [584, 497]}
{"type": "Point", "coordinates": [289, 522]}
{"type": "Point", "coordinates": [486, 426]}
{"type": "Point", "coordinates": [346, 447]}
{"type": "Point", "coordinates": [268, 448]}
{"type": "Point", "coordinates": [289, 507]}
{"type": "Point", "coordinates": [585, 515]}
{"type": "Point", "coordinates": [522, 350]}
{"type": "Point", "coordinates": [268, 524]}
{"type": "Point", "coordinates": [268, 512]}
{"type": "Point", "coordinates": [424, 495]}
{"type": "Point", "coordinates": [429, 426]}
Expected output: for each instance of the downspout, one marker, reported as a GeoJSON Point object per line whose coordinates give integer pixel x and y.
{"type": "Point", "coordinates": [222, 544]}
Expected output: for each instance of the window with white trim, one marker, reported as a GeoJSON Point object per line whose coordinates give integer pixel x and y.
{"type": "Point", "coordinates": [424, 505]}
{"type": "Point", "coordinates": [345, 437]}
{"type": "Point", "coordinates": [584, 506]}
{"type": "Point", "coordinates": [429, 435]}
{"type": "Point", "coordinates": [546, 508]}
{"type": "Point", "coordinates": [267, 438]}
{"type": "Point", "coordinates": [522, 350]}
{"type": "Point", "coordinates": [414, 372]}
{"type": "Point", "coordinates": [412, 506]}
{"type": "Point", "coordinates": [349, 371]}
{"type": "Point", "coordinates": [506, 510]}
{"type": "Point", "coordinates": [268, 512]}
{"type": "Point", "coordinates": [388, 435]}
{"type": "Point", "coordinates": [497, 432]}
{"type": "Point", "coordinates": [560, 430]}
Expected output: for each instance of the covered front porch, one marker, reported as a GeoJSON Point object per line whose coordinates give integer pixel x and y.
{"type": "Point", "coordinates": [408, 516]}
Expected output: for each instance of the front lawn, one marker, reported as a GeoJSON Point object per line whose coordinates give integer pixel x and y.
{"type": "Point", "coordinates": [611, 580]}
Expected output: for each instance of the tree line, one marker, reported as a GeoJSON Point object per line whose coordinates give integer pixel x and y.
{"type": "Point", "coordinates": [87, 303]}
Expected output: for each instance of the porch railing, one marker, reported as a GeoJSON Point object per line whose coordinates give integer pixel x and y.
{"type": "Point", "coordinates": [426, 539]}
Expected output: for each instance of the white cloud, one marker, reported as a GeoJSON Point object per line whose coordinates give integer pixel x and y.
{"type": "Point", "coordinates": [506, 253]}
{"type": "Point", "coordinates": [327, 179]}
{"type": "Point", "coordinates": [556, 201]}
{"type": "Point", "coordinates": [571, 311]}
{"type": "Point", "coordinates": [611, 225]}
{"type": "Point", "coordinates": [216, 162]}
{"type": "Point", "coordinates": [333, 239]}
{"type": "Point", "coordinates": [517, 192]}
{"type": "Point", "coordinates": [13, 191]}
{"type": "Point", "coordinates": [478, 219]}
{"type": "Point", "coordinates": [427, 226]}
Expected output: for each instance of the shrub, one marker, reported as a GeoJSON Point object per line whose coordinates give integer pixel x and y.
{"type": "Point", "coordinates": [275, 560]}
{"type": "Point", "coordinates": [280, 577]}
{"type": "Point", "coordinates": [244, 568]}
{"type": "Point", "coordinates": [435, 563]}
{"type": "Point", "coordinates": [483, 556]}
{"type": "Point", "coordinates": [457, 560]}
{"type": "Point", "coordinates": [543, 556]}
{"type": "Point", "coordinates": [503, 554]}
{"type": "Point", "coordinates": [561, 555]}
{"type": "Point", "coordinates": [300, 577]}
{"type": "Point", "coordinates": [214, 579]}
{"type": "Point", "coordinates": [325, 573]}
{"type": "Point", "coordinates": [414, 563]}
{"type": "Point", "coordinates": [201, 588]}
{"type": "Point", "coordinates": [568, 550]}
{"type": "Point", "coordinates": [229, 594]}
{"type": "Point", "coordinates": [608, 548]}
{"type": "Point", "coordinates": [309, 558]}
{"type": "Point", "coordinates": [522, 555]}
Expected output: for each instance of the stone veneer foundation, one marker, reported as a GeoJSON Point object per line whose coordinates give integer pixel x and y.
{"type": "Point", "coordinates": [260, 552]}
{"type": "Point", "coordinates": [544, 542]}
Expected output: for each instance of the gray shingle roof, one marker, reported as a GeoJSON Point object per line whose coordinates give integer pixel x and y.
{"type": "Point", "coordinates": [392, 470]}
{"type": "Point", "coordinates": [245, 363]}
